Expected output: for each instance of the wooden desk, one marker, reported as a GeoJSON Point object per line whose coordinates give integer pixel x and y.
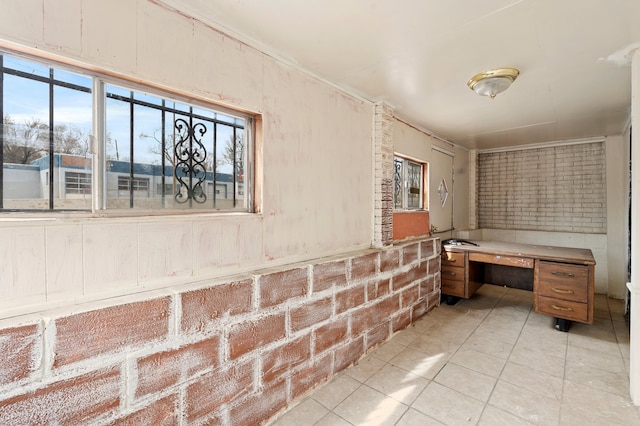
{"type": "Point", "coordinates": [563, 278]}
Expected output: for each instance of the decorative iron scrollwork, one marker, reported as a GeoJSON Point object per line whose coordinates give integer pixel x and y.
{"type": "Point", "coordinates": [398, 180]}
{"type": "Point", "coordinates": [190, 170]}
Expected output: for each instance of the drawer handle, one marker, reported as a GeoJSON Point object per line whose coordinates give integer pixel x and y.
{"type": "Point", "coordinates": [561, 308]}
{"type": "Point", "coordinates": [563, 274]}
{"type": "Point", "coordinates": [561, 291]}
{"type": "Point", "coordinates": [453, 274]}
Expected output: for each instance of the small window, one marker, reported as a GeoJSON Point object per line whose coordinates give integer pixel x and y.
{"type": "Point", "coordinates": [408, 184]}
{"type": "Point", "coordinates": [77, 183]}
{"type": "Point", "coordinates": [134, 184]}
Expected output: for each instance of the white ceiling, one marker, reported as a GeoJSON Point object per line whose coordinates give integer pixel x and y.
{"type": "Point", "coordinates": [417, 55]}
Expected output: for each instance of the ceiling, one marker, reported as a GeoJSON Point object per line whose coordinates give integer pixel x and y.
{"type": "Point", "coordinates": [417, 55]}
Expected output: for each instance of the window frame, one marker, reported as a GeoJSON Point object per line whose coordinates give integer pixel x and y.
{"type": "Point", "coordinates": [98, 141]}
{"type": "Point", "coordinates": [403, 188]}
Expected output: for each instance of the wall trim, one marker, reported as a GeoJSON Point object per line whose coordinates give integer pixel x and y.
{"type": "Point", "coordinates": [544, 145]}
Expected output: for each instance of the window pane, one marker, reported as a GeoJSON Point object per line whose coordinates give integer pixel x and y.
{"type": "Point", "coordinates": [45, 126]}
{"type": "Point", "coordinates": [414, 185]}
{"type": "Point", "coordinates": [408, 177]}
{"type": "Point", "coordinates": [178, 150]}
{"type": "Point", "coordinates": [72, 127]}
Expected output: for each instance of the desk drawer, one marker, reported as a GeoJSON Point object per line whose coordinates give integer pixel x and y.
{"type": "Point", "coordinates": [452, 288]}
{"type": "Point", "coordinates": [453, 259]}
{"type": "Point", "coordinates": [563, 274]}
{"type": "Point", "coordinates": [452, 273]}
{"type": "Point", "coordinates": [563, 309]}
{"type": "Point", "coordinates": [576, 292]}
{"type": "Point", "coordinates": [498, 259]}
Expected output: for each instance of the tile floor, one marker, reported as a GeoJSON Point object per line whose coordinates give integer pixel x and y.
{"type": "Point", "coordinates": [489, 360]}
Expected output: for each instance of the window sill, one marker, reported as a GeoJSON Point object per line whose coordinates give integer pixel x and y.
{"type": "Point", "coordinates": [13, 218]}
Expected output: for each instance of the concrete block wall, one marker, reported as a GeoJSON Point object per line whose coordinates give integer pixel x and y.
{"type": "Point", "coordinates": [559, 188]}
{"type": "Point", "coordinates": [236, 351]}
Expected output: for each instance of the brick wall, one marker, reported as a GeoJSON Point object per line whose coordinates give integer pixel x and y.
{"type": "Point", "coordinates": [383, 175]}
{"type": "Point", "coordinates": [233, 352]}
{"type": "Point", "coordinates": [560, 188]}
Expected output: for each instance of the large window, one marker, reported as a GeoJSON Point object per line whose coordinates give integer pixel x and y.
{"type": "Point", "coordinates": [55, 146]}
{"type": "Point", "coordinates": [408, 184]}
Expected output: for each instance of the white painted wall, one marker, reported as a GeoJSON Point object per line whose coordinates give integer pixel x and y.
{"type": "Point", "coordinates": [617, 160]}
{"type": "Point", "coordinates": [316, 161]}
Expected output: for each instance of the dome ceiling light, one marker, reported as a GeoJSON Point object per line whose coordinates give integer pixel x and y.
{"type": "Point", "coordinates": [492, 82]}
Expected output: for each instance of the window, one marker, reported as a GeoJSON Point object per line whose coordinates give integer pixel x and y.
{"type": "Point", "coordinates": [77, 183]}
{"type": "Point", "coordinates": [183, 149]}
{"type": "Point", "coordinates": [132, 184]}
{"type": "Point", "coordinates": [408, 184]}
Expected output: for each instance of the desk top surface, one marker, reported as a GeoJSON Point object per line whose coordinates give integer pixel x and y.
{"type": "Point", "coordinates": [558, 254]}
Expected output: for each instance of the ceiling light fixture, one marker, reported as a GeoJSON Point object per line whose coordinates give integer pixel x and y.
{"type": "Point", "coordinates": [490, 83]}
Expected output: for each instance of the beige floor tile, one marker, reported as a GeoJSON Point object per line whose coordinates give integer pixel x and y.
{"type": "Point", "coordinates": [488, 346]}
{"type": "Point", "coordinates": [479, 302]}
{"type": "Point", "coordinates": [616, 306]}
{"type": "Point", "coordinates": [621, 331]}
{"type": "Point", "coordinates": [419, 363]}
{"type": "Point", "coordinates": [306, 412]}
{"type": "Point", "coordinates": [595, 332]}
{"type": "Point", "coordinates": [388, 350]}
{"type": "Point", "coordinates": [612, 408]}
{"type": "Point", "coordinates": [607, 347]}
{"type": "Point", "coordinates": [616, 383]}
{"type": "Point", "coordinates": [367, 406]}
{"type": "Point", "coordinates": [441, 314]}
{"type": "Point", "coordinates": [493, 289]}
{"type": "Point", "coordinates": [448, 406]}
{"type": "Point", "coordinates": [466, 311]}
{"type": "Point", "coordinates": [585, 357]}
{"type": "Point", "coordinates": [546, 344]}
{"type": "Point", "coordinates": [525, 404]}
{"type": "Point", "coordinates": [430, 345]}
{"type": "Point", "coordinates": [479, 361]}
{"type": "Point", "coordinates": [425, 324]}
{"type": "Point", "coordinates": [336, 391]}
{"type": "Point", "coordinates": [365, 368]}
{"type": "Point", "coordinates": [397, 383]}
{"type": "Point", "coordinates": [509, 314]}
{"type": "Point", "coordinates": [542, 322]}
{"type": "Point", "coordinates": [579, 416]}
{"type": "Point", "coordinates": [406, 336]}
{"type": "Point", "coordinates": [415, 418]}
{"type": "Point", "coordinates": [538, 360]}
{"type": "Point", "coordinates": [516, 301]}
{"type": "Point", "coordinates": [492, 416]}
{"type": "Point", "coordinates": [331, 419]}
{"type": "Point", "coordinates": [533, 380]}
{"type": "Point", "coordinates": [456, 332]}
{"type": "Point", "coordinates": [466, 381]}
{"type": "Point", "coordinates": [501, 330]}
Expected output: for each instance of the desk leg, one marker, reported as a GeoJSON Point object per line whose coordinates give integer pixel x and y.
{"type": "Point", "coordinates": [563, 324]}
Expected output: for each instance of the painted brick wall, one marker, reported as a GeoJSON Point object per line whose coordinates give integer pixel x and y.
{"type": "Point", "coordinates": [229, 353]}
{"type": "Point", "coordinates": [383, 178]}
{"type": "Point", "coordinates": [560, 188]}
